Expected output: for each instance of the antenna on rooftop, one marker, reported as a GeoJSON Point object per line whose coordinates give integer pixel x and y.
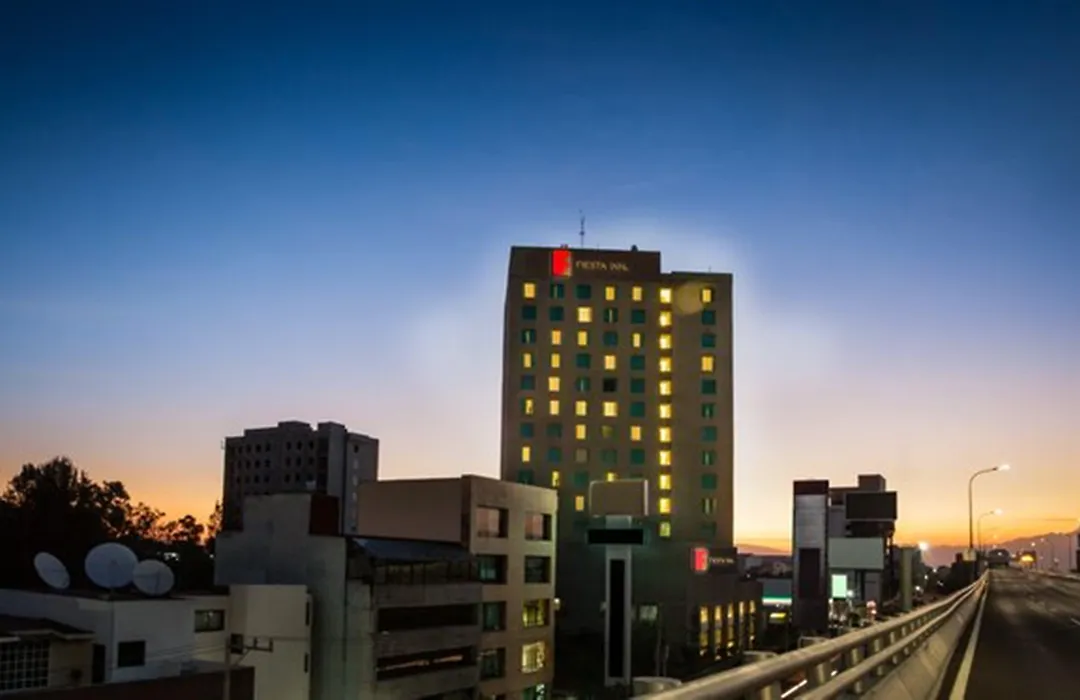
{"type": "Point", "coordinates": [581, 232]}
{"type": "Point", "coordinates": [153, 578]}
{"type": "Point", "coordinates": [52, 571]}
{"type": "Point", "coordinates": [111, 565]}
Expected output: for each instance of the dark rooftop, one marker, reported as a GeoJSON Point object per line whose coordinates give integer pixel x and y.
{"type": "Point", "coordinates": [410, 550]}
{"type": "Point", "coordinates": [19, 627]}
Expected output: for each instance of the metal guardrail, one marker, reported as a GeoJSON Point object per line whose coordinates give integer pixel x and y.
{"type": "Point", "coordinates": [840, 667]}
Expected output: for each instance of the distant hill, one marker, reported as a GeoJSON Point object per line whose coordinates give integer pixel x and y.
{"type": "Point", "coordinates": [750, 548]}
{"type": "Point", "coordinates": [1061, 545]}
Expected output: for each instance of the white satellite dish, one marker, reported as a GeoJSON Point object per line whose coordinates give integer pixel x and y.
{"type": "Point", "coordinates": [111, 565]}
{"type": "Point", "coordinates": [153, 577]}
{"type": "Point", "coordinates": [52, 571]}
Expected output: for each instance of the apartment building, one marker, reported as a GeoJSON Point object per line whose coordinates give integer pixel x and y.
{"type": "Point", "coordinates": [509, 529]}
{"type": "Point", "coordinates": [293, 457]}
{"type": "Point", "coordinates": [393, 619]}
{"type": "Point", "coordinates": [614, 369]}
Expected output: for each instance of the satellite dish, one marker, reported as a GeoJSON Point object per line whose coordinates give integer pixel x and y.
{"type": "Point", "coordinates": [52, 571]}
{"type": "Point", "coordinates": [153, 577]}
{"type": "Point", "coordinates": [111, 565]}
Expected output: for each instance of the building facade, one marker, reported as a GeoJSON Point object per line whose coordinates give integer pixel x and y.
{"type": "Point", "coordinates": [509, 529]}
{"type": "Point", "coordinates": [293, 457]}
{"type": "Point", "coordinates": [614, 369]}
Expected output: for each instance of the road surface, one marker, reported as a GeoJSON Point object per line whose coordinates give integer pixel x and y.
{"type": "Point", "coordinates": [1028, 643]}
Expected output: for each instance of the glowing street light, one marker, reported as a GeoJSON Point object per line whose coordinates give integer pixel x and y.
{"type": "Point", "coordinates": [971, 501]}
{"type": "Point", "coordinates": [996, 511]}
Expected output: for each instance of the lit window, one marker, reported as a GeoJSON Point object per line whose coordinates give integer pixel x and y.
{"type": "Point", "coordinates": [581, 407]}
{"type": "Point", "coordinates": [526, 454]}
{"type": "Point", "coordinates": [527, 360]}
{"type": "Point", "coordinates": [665, 458]}
{"type": "Point", "coordinates": [665, 387]}
{"type": "Point", "coordinates": [553, 383]}
{"type": "Point", "coordinates": [665, 506]}
{"type": "Point", "coordinates": [579, 503]}
{"type": "Point", "coordinates": [665, 319]}
{"type": "Point", "coordinates": [665, 341]}
{"type": "Point", "coordinates": [584, 314]}
{"type": "Point", "coordinates": [665, 482]}
{"type": "Point", "coordinates": [581, 431]}
{"type": "Point", "coordinates": [609, 362]}
{"type": "Point", "coordinates": [708, 363]}
{"type": "Point", "coordinates": [665, 529]}
{"type": "Point", "coordinates": [611, 409]}
{"type": "Point", "coordinates": [609, 292]}
{"type": "Point", "coordinates": [553, 407]}
{"type": "Point", "coordinates": [706, 295]}
{"type": "Point", "coordinates": [665, 365]}
{"type": "Point", "coordinates": [582, 338]}
{"type": "Point", "coordinates": [555, 479]}
{"type": "Point", "coordinates": [665, 295]}
{"type": "Point", "coordinates": [664, 434]}
{"type": "Point", "coordinates": [556, 360]}
{"type": "Point", "coordinates": [635, 340]}
{"type": "Point", "coordinates": [635, 433]}
{"type": "Point", "coordinates": [636, 294]}
{"type": "Point", "coordinates": [665, 411]}
{"type": "Point", "coordinates": [527, 407]}
{"type": "Point", "coordinates": [611, 476]}
{"type": "Point", "coordinates": [556, 336]}
{"type": "Point", "coordinates": [528, 290]}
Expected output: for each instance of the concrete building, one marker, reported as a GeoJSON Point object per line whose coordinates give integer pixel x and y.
{"type": "Point", "coordinates": [76, 639]}
{"type": "Point", "coordinates": [292, 457]}
{"type": "Point", "coordinates": [613, 369]}
{"type": "Point", "coordinates": [508, 528]}
{"type": "Point", "coordinates": [393, 619]}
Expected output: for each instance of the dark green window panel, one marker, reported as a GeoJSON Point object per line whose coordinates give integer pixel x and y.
{"type": "Point", "coordinates": [637, 456]}
{"type": "Point", "coordinates": [528, 382]}
{"type": "Point", "coordinates": [708, 433]}
{"type": "Point", "coordinates": [558, 290]}
{"type": "Point", "coordinates": [581, 479]}
{"type": "Point", "coordinates": [708, 481]}
{"type": "Point", "coordinates": [708, 386]}
{"type": "Point", "coordinates": [583, 360]}
{"type": "Point", "coordinates": [583, 291]}
{"type": "Point", "coordinates": [611, 315]}
{"type": "Point", "coordinates": [527, 430]}
{"type": "Point", "coordinates": [556, 313]}
{"type": "Point", "coordinates": [637, 363]}
{"type": "Point", "coordinates": [554, 455]}
{"type": "Point", "coordinates": [528, 336]}
{"type": "Point", "coordinates": [611, 339]}
{"type": "Point", "coordinates": [637, 386]}
{"type": "Point", "coordinates": [708, 410]}
{"type": "Point", "coordinates": [708, 458]}
{"type": "Point", "coordinates": [554, 430]}
{"type": "Point", "coordinates": [526, 476]}
{"type": "Point", "coordinates": [528, 312]}
{"type": "Point", "coordinates": [708, 317]}
{"type": "Point", "coordinates": [582, 384]}
{"type": "Point", "coordinates": [637, 316]}
{"type": "Point", "coordinates": [637, 409]}
{"type": "Point", "coordinates": [708, 340]}
{"type": "Point", "coordinates": [609, 456]}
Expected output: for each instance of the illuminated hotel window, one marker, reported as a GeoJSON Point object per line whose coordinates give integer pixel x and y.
{"type": "Point", "coordinates": [553, 383]}
{"type": "Point", "coordinates": [665, 458]}
{"type": "Point", "coordinates": [665, 364]}
{"type": "Point", "coordinates": [635, 433]}
{"type": "Point", "coordinates": [664, 507]}
{"type": "Point", "coordinates": [555, 479]}
{"type": "Point", "coordinates": [528, 290]}
{"type": "Point", "coordinates": [584, 314]}
{"type": "Point", "coordinates": [527, 407]}
{"type": "Point", "coordinates": [665, 341]}
{"type": "Point", "coordinates": [581, 455]}
{"type": "Point", "coordinates": [665, 319]}
{"type": "Point", "coordinates": [611, 409]}
{"type": "Point", "coordinates": [706, 295]}
{"type": "Point", "coordinates": [582, 338]}
{"type": "Point", "coordinates": [665, 529]}
{"type": "Point", "coordinates": [581, 407]}
{"type": "Point", "coordinates": [609, 292]}
{"type": "Point", "coordinates": [635, 340]}
{"type": "Point", "coordinates": [609, 362]}
{"type": "Point", "coordinates": [553, 407]}
{"type": "Point", "coordinates": [665, 482]}
{"type": "Point", "coordinates": [665, 387]}
{"type": "Point", "coordinates": [665, 295]}
{"type": "Point", "coordinates": [636, 293]}
{"type": "Point", "coordinates": [527, 360]}
{"type": "Point", "coordinates": [526, 454]}
{"type": "Point", "coordinates": [664, 434]}
{"type": "Point", "coordinates": [556, 336]}
{"type": "Point", "coordinates": [611, 476]}
{"type": "Point", "coordinates": [581, 431]}
{"type": "Point", "coordinates": [579, 503]}
{"type": "Point", "coordinates": [665, 411]}
{"type": "Point", "coordinates": [556, 360]}
{"type": "Point", "coordinates": [708, 363]}
{"type": "Point", "coordinates": [703, 630]}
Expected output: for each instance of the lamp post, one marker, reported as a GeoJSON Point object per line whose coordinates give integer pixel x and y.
{"type": "Point", "coordinates": [971, 502]}
{"type": "Point", "coordinates": [978, 528]}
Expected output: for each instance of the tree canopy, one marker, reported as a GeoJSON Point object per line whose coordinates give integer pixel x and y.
{"type": "Point", "coordinates": [57, 508]}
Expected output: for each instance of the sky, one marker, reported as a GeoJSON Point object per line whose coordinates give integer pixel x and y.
{"type": "Point", "coordinates": [214, 218]}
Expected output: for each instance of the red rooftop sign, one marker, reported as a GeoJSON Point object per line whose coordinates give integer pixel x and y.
{"type": "Point", "coordinates": [562, 263]}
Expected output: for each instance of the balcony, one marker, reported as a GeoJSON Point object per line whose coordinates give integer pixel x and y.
{"type": "Point", "coordinates": [418, 641]}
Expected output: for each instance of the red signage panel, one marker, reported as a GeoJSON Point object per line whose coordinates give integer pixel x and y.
{"type": "Point", "coordinates": [562, 263]}
{"type": "Point", "coordinates": [700, 559]}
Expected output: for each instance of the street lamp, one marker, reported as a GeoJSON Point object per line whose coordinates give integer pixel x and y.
{"type": "Point", "coordinates": [971, 502]}
{"type": "Point", "coordinates": [996, 511]}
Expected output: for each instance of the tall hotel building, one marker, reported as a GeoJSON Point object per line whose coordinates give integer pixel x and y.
{"type": "Point", "coordinates": [614, 369]}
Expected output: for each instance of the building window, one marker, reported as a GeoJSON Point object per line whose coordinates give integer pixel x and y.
{"type": "Point", "coordinates": [556, 314]}
{"type": "Point", "coordinates": [582, 384]}
{"type": "Point", "coordinates": [534, 613]}
{"type": "Point", "coordinates": [664, 433]}
{"type": "Point", "coordinates": [557, 290]}
{"type": "Point", "coordinates": [637, 316]}
{"type": "Point", "coordinates": [583, 360]}
{"type": "Point", "coordinates": [665, 387]}
{"type": "Point", "coordinates": [609, 293]}
{"type": "Point", "coordinates": [553, 383]}
{"type": "Point", "coordinates": [609, 455]}
{"type": "Point", "coordinates": [581, 455]}
{"type": "Point", "coordinates": [526, 476]}
{"type": "Point", "coordinates": [609, 362]}
{"type": "Point", "coordinates": [607, 432]}
{"type": "Point", "coordinates": [635, 433]}
{"type": "Point", "coordinates": [664, 410]}
{"type": "Point", "coordinates": [611, 409]}
{"type": "Point", "coordinates": [709, 481]}
{"type": "Point", "coordinates": [556, 360]}
{"type": "Point", "coordinates": [533, 657]}
{"type": "Point", "coordinates": [708, 340]}
{"type": "Point", "coordinates": [665, 295]}
{"type": "Point", "coordinates": [556, 336]}
{"type": "Point", "coordinates": [665, 319]}
{"type": "Point", "coordinates": [554, 455]}
{"type": "Point", "coordinates": [492, 663]}
{"type": "Point", "coordinates": [636, 293]}
{"type": "Point", "coordinates": [637, 456]}
{"type": "Point", "coordinates": [664, 530]}
{"type": "Point", "coordinates": [611, 476]}
{"type": "Point", "coordinates": [581, 479]}
{"type": "Point", "coordinates": [581, 407]}
{"type": "Point", "coordinates": [553, 407]}
{"type": "Point", "coordinates": [537, 526]}
{"type": "Point", "coordinates": [209, 620]}
{"type": "Point", "coordinates": [609, 385]}
{"type": "Point", "coordinates": [555, 478]}
{"type": "Point", "coordinates": [528, 382]}
{"type": "Point", "coordinates": [665, 341]}
{"type": "Point", "coordinates": [528, 290]}
{"type": "Point", "coordinates": [664, 482]}
{"type": "Point", "coordinates": [708, 410]}
{"type": "Point", "coordinates": [583, 292]}
{"type": "Point", "coordinates": [527, 360]}
{"type": "Point", "coordinates": [491, 568]}
{"type": "Point", "coordinates": [708, 458]}
{"type": "Point", "coordinates": [610, 339]}
{"type": "Point", "coordinates": [583, 338]}
{"type": "Point", "coordinates": [528, 335]}
{"type": "Point", "coordinates": [584, 314]}
{"type": "Point", "coordinates": [491, 522]}
{"type": "Point", "coordinates": [664, 458]}
{"type": "Point", "coordinates": [131, 654]}
{"type": "Point", "coordinates": [708, 433]}
{"type": "Point", "coordinates": [708, 363]}
{"type": "Point", "coordinates": [708, 317]}
{"type": "Point", "coordinates": [708, 386]}
{"type": "Point", "coordinates": [635, 340]}
{"type": "Point", "coordinates": [537, 569]}
{"type": "Point", "coordinates": [708, 505]}
{"type": "Point", "coordinates": [706, 295]}
{"type": "Point", "coordinates": [637, 409]}
{"type": "Point", "coordinates": [526, 454]}
{"type": "Point", "coordinates": [579, 503]}
{"type": "Point", "coordinates": [664, 507]}
{"type": "Point", "coordinates": [528, 312]}
{"type": "Point", "coordinates": [637, 363]}
{"type": "Point", "coordinates": [554, 430]}
{"type": "Point", "coordinates": [493, 616]}
{"type": "Point", "coordinates": [581, 431]}
{"type": "Point", "coordinates": [24, 665]}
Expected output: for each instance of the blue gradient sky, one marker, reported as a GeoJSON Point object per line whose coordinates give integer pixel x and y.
{"type": "Point", "coordinates": [216, 218]}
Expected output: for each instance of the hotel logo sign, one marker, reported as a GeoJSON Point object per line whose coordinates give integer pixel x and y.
{"type": "Point", "coordinates": [565, 264]}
